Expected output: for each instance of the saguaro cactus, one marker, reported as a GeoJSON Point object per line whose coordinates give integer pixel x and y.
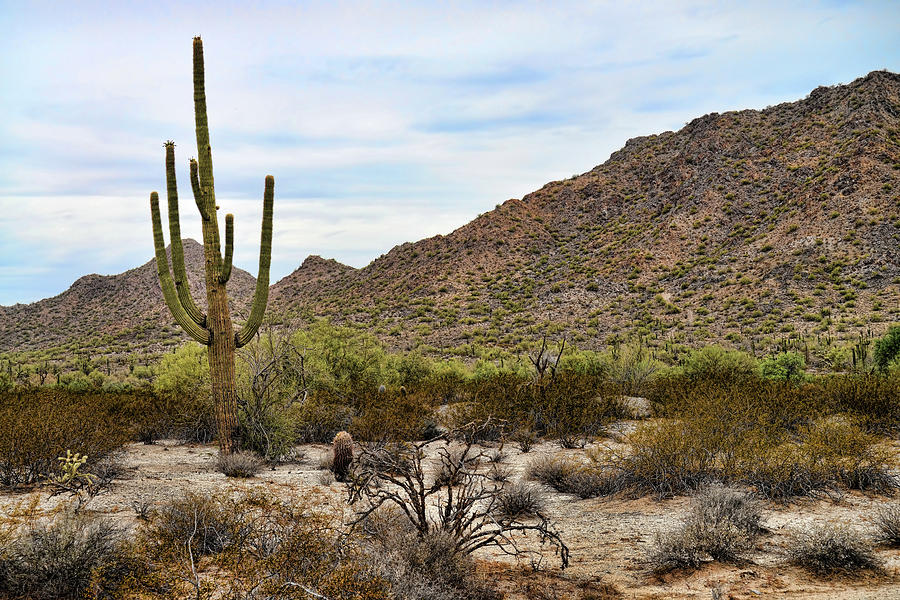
{"type": "Point", "coordinates": [214, 329]}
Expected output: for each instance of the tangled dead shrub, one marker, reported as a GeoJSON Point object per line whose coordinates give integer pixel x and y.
{"type": "Point", "coordinates": [722, 524]}
{"type": "Point", "coordinates": [460, 499]}
{"type": "Point", "coordinates": [828, 549]}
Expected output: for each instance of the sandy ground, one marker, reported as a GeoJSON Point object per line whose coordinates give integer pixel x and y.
{"type": "Point", "coordinates": [608, 538]}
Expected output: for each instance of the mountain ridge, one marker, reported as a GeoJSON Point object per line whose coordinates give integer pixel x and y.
{"type": "Point", "coordinates": [740, 227]}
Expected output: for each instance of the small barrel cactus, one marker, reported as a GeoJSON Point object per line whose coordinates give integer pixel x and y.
{"type": "Point", "coordinates": [342, 455]}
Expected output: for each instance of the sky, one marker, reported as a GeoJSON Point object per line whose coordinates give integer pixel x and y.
{"type": "Point", "coordinates": [382, 122]}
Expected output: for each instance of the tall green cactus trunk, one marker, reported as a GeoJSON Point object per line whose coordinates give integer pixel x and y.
{"type": "Point", "coordinates": [213, 329]}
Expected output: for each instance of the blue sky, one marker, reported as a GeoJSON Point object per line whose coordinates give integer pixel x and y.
{"type": "Point", "coordinates": [382, 122]}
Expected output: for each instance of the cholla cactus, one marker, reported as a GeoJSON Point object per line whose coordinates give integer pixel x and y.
{"type": "Point", "coordinates": [342, 455]}
{"type": "Point", "coordinates": [70, 477]}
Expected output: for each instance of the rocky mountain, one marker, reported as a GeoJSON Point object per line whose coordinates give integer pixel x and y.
{"type": "Point", "coordinates": [116, 312]}
{"type": "Point", "coordinates": [743, 227]}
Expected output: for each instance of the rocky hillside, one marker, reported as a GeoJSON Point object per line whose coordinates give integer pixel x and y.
{"type": "Point", "coordinates": [117, 312]}
{"type": "Point", "coordinates": [745, 226]}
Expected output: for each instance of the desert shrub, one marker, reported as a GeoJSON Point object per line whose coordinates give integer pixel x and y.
{"type": "Point", "coordinates": [772, 403]}
{"type": "Point", "coordinates": [784, 366]}
{"type": "Point", "coordinates": [320, 418]}
{"type": "Point", "coordinates": [420, 567]}
{"type": "Point", "coordinates": [585, 362]}
{"type": "Point", "coordinates": [568, 407]}
{"type": "Point", "coordinates": [239, 464]}
{"type": "Point", "coordinates": [717, 363]}
{"type": "Point", "coordinates": [39, 425]}
{"type": "Point", "coordinates": [394, 414]}
{"type": "Point", "coordinates": [887, 524]}
{"type": "Point", "coordinates": [185, 372]}
{"type": "Point", "coordinates": [632, 368]}
{"type": "Point", "coordinates": [446, 382]}
{"type": "Point", "coordinates": [411, 368]}
{"type": "Point", "coordinates": [873, 400]}
{"type": "Point", "coordinates": [572, 410]}
{"type": "Point", "coordinates": [827, 549]}
{"type": "Point", "coordinates": [722, 524]}
{"type": "Point", "coordinates": [252, 545]}
{"type": "Point", "coordinates": [183, 406]}
{"type": "Point", "coordinates": [848, 455]}
{"type": "Point", "coordinates": [341, 360]}
{"type": "Point", "coordinates": [671, 457]}
{"type": "Point", "coordinates": [64, 558]}
{"type": "Point", "coordinates": [525, 438]}
{"type": "Point", "coordinates": [771, 437]}
{"type": "Point", "coordinates": [462, 497]}
{"type": "Point", "coordinates": [521, 499]}
{"type": "Point", "coordinates": [887, 348]}
{"type": "Point", "coordinates": [206, 524]}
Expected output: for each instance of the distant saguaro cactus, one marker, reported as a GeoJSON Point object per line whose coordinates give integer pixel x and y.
{"type": "Point", "coordinates": [213, 329]}
{"type": "Point", "coordinates": [342, 455]}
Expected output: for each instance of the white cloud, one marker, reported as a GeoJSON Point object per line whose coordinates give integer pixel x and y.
{"type": "Point", "coordinates": [396, 121]}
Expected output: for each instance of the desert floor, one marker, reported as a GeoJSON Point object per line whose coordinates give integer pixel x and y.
{"type": "Point", "coordinates": [608, 537]}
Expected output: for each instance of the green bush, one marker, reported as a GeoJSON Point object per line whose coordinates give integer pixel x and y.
{"type": "Point", "coordinates": [785, 366]}
{"type": "Point", "coordinates": [887, 348]}
{"type": "Point", "coordinates": [718, 363]}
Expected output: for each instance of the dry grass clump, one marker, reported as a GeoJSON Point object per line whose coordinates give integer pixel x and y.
{"type": "Point", "coordinates": [240, 464]}
{"type": "Point", "coordinates": [553, 471]}
{"type": "Point", "coordinates": [828, 549]}
{"type": "Point", "coordinates": [521, 499]}
{"type": "Point", "coordinates": [887, 523]}
{"type": "Point", "coordinates": [723, 523]}
{"type": "Point", "coordinates": [570, 476]}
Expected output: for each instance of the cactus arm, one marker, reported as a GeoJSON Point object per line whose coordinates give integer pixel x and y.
{"type": "Point", "coordinates": [165, 279]}
{"type": "Point", "coordinates": [198, 191]}
{"type": "Point", "coordinates": [179, 272]}
{"type": "Point", "coordinates": [229, 248]}
{"type": "Point", "coordinates": [204, 157]}
{"type": "Point", "coordinates": [261, 296]}
{"type": "Point", "coordinates": [204, 150]}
